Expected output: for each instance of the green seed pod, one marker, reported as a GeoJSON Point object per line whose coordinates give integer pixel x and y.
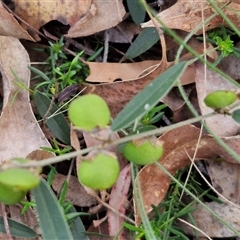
{"type": "Point", "coordinates": [220, 99]}
{"type": "Point", "coordinates": [99, 171]}
{"type": "Point", "coordinates": [143, 151]}
{"type": "Point", "coordinates": [19, 179]}
{"type": "Point", "coordinates": [89, 112]}
{"type": "Point", "coordinates": [10, 195]}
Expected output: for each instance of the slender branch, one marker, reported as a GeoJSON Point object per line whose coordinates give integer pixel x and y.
{"type": "Point", "coordinates": [116, 142]}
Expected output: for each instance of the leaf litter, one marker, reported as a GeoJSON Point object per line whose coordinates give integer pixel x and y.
{"type": "Point", "coordinates": [20, 125]}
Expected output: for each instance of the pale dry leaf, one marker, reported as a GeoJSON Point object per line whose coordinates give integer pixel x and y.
{"type": "Point", "coordinates": [10, 27]}
{"type": "Point", "coordinates": [214, 82]}
{"type": "Point", "coordinates": [20, 132]}
{"type": "Point", "coordinates": [102, 15]}
{"type": "Point", "coordinates": [76, 193]}
{"type": "Point", "coordinates": [205, 221]}
{"type": "Point", "coordinates": [118, 200]}
{"type": "Point", "coordinates": [187, 15]}
{"type": "Point", "coordinates": [225, 178]}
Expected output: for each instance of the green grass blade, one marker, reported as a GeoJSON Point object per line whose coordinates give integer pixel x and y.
{"type": "Point", "coordinates": [52, 221]}
{"type": "Point", "coordinates": [17, 229]}
{"type": "Point", "coordinates": [145, 40]}
{"type": "Point", "coordinates": [77, 227]}
{"type": "Point", "coordinates": [40, 73]}
{"type": "Point", "coordinates": [57, 124]}
{"type": "Point", "coordinates": [148, 97]}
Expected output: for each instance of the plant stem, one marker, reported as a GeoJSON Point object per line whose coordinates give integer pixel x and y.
{"type": "Point", "coordinates": [119, 141]}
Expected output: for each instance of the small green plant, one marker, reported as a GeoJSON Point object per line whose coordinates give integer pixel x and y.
{"type": "Point", "coordinates": [61, 71]}
{"type": "Point", "coordinates": [56, 149]}
{"type": "Point", "coordinates": [221, 38]}
{"type": "Point", "coordinates": [99, 170]}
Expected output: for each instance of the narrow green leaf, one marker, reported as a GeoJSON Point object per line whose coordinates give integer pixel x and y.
{"type": "Point", "coordinates": [136, 11]}
{"type": "Point", "coordinates": [77, 227]}
{"type": "Point", "coordinates": [145, 40]}
{"type": "Point", "coordinates": [57, 124]}
{"type": "Point", "coordinates": [236, 115]}
{"type": "Point", "coordinates": [40, 73]}
{"type": "Point", "coordinates": [17, 229]}
{"type": "Point", "coordinates": [148, 97]}
{"type": "Point", "coordinates": [52, 221]}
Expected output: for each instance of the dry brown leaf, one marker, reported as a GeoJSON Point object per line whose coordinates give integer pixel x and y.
{"type": "Point", "coordinates": [230, 65]}
{"type": "Point", "coordinates": [174, 99]}
{"type": "Point", "coordinates": [10, 27]}
{"type": "Point", "coordinates": [20, 132]}
{"type": "Point", "coordinates": [118, 94]}
{"type": "Point", "coordinates": [102, 15]}
{"type": "Point", "coordinates": [28, 218]}
{"type": "Point", "coordinates": [178, 145]}
{"type": "Point", "coordinates": [38, 13]}
{"type": "Point", "coordinates": [76, 193]}
{"type": "Point", "coordinates": [85, 17]}
{"type": "Point", "coordinates": [187, 15]}
{"type": "Point", "coordinates": [212, 83]}
{"type": "Point", "coordinates": [118, 200]}
{"type": "Point", "coordinates": [123, 32]}
{"type": "Point", "coordinates": [108, 72]}
{"type": "Point", "coordinates": [183, 112]}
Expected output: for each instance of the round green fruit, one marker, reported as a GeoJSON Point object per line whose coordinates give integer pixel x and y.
{"type": "Point", "coordinates": [143, 151]}
{"type": "Point", "coordinates": [99, 171]}
{"type": "Point", "coordinates": [89, 112]}
{"type": "Point", "coordinates": [220, 99]}
{"type": "Point", "coordinates": [10, 195]}
{"type": "Point", "coordinates": [19, 179]}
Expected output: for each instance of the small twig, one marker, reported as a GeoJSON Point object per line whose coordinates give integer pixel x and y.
{"type": "Point", "coordinates": [119, 141]}
{"type": "Point", "coordinates": [106, 45]}
{"type": "Point", "coordinates": [51, 104]}
{"type": "Point", "coordinates": [5, 221]}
